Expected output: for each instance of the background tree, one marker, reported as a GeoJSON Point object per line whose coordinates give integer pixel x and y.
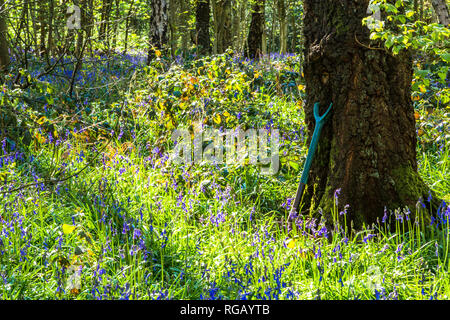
{"type": "Point", "coordinates": [4, 54]}
{"type": "Point", "coordinates": [283, 25]}
{"type": "Point", "coordinates": [158, 27]}
{"type": "Point", "coordinates": [222, 25]}
{"type": "Point", "coordinates": [368, 148]}
{"type": "Point", "coordinates": [441, 9]}
{"type": "Point", "coordinates": [255, 33]}
{"type": "Point", "coordinates": [202, 15]}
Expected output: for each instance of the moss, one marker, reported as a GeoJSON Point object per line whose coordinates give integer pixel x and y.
{"type": "Point", "coordinates": [408, 184]}
{"type": "Point", "coordinates": [410, 188]}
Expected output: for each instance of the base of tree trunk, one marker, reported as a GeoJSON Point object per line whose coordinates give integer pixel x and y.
{"type": "Point", "coordinates": [368, 147]}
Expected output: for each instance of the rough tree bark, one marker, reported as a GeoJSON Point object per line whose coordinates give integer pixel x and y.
{"type": "Point", "coordinates": [283, 25]}
{"type": "Point", "coordinates": [255, 33]}
{"type": "Point", "coordinates": [222, 24]}
{"type": "Point", "coordinates": [4, 54]}
{"type": "Point", "coordinates": [368, 147]}
{"type": "Point", "coordinates": [202, 15]}
{"type": "Point", "coordinates": [441, 9]}
{"type": "Point", "coordinates": [158, 27]}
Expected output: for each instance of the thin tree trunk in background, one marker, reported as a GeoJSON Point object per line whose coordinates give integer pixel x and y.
{"type": "Point", "coordinates": [441, 9]}
{"type": "Point", "coordinates": [158, 28]}
{"type": "Point", "coordinates": [127, 25]}
{"type": "Point", "coordinates": [184, 17]}
{"type": "Point", "coordinates": [368, 146]}
{"type": "Point", "coordinates": [243, 22]}
{"type": "Point", "coordinates": [116, 24]}
{"type": "Point", "coordinates": [264, 41]}
{"type": "Point", "coordinates": [32, 8]}
{"type": "Point", "coordinates": [294, 31]}
{"type": "Point", "coordinates": [173, 26]}
{"type": "Point", "coordinates": [202, 14]}
{"type": "Point", "coordinates": [283, 25]}
{"type": "Point", "coordinates": [4, 52]}
{"type": "Point", "coordinates": [23, 25]}
{"type": "Point", "coordinates": [43, 27]}
{"type": "Point", "coordinates": [90, 19]}
{"type": "Point", "coordinates": [272, 30]}
{"type": "Point", "coordinates": [50, 27]}
{"type": "Point", "coordinates": [215, 25]}
{"type": "Point", "coordinates": [236, 23]}
{"type": "Point", "coordinates": [104, 24]}
{"type": "Point", "coordinates": [255, 34]}
{"type": "Point", "coordinates": [80, 33]}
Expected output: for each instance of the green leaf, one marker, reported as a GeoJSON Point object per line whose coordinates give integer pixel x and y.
{"type": "Point", "coordinates": [396, 49]}
{"type": "Point", "coordinates": [389, 42]}
{"type": "Point", "coordinates": [294, 165]}
{"type": "Point", "coordinates": [410, 14]}
{"type": "Point", "coordinates": [68, 229]}
{"type": "Point", "coordinates": [445, 56]}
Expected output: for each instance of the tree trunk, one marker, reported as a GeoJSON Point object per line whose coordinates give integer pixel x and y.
{"type": "Point", "coordinates": [202, 15]}
{"type": "Point", "coordinates": [236, 23]}
{"type": "Point", "coordinates": [255, 34]}
{"type": "Point", "coordinates": [441, 9]}
{"type": "Point", "coordinates": [50, 27]}
{"type": "Point", "coordinates": [222, 23]}
{"type": "Point", "coordinates": [184, 25]}
{"type": "Point", "coordinates": [4, 54]}
{"type": "Point", "coordinates": [368, 147]}
{"type": "Point", "coordinates": [283, 25]}
{"type": "Point", "coordinates": [243, 20]}
{"type": "Point", "coordinates": [173, 26]}
{"type": "Point", "coordinates": [104, 24]}
{"type": "Point", "coordinates": [294, 31]}
{"type": "Point", "coordinates": [127, 26]}
{"type": "Point", "coordinates": [80, 35]}
{"type": "Point", "coordinates": [158, 27]}
{"type": "Point", "coordinates": [118, 15]}
{"type": "Point", "coordinates": [43, 27]}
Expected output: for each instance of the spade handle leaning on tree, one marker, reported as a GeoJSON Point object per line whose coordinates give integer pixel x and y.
{"type": "Point", "coordinates": [320, 121]}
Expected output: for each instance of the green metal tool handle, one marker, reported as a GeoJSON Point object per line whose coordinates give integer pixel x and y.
{"type": "Point", "coordinates": [320, 122]}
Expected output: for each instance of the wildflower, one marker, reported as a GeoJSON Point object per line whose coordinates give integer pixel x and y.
{"type": "Point", "coordinates": [407, 213]}
{"type": "Point", "coordinates": [368, 237]}
{"type": "Point", "coordinates": [384, 216]}
{"type": "Point", "coordinates": [429, 196]}
{"type": "Point", "coordinates": [336, 195]}
{"type": "Point", "coordinates": [137, 233]}
{"type": "Point", "coordinates": [344, 212]}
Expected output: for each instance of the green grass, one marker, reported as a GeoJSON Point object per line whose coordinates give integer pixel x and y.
{"type": "Point", "coordinates": [145, 229]}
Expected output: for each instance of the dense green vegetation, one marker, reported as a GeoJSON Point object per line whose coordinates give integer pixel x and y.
{"type": "Point", "coordinates": [131, 225]}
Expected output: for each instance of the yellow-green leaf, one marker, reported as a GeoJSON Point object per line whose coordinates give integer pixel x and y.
{"type": "Point", "coordinates": [68, 229]}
